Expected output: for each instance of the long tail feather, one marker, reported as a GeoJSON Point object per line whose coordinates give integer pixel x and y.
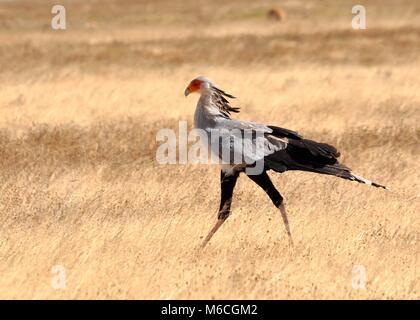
{"type": "Point", "coordinates": [308, 155]}
{"type": "Point", "coordinates": [360, 179]}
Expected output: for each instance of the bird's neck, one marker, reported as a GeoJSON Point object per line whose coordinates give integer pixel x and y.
{"type": "Point", "coordinates": [205, 112]}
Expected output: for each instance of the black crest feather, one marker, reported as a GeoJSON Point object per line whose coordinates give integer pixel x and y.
{"type": "Point", "coordinates": [219, 99]}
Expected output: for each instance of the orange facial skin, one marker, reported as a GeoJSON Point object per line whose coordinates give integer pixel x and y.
{"type": "Point", "coordinates": [193, 86]}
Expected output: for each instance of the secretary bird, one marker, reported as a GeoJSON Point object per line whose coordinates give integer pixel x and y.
{"type": "Point", "coordinates": [283, 150]}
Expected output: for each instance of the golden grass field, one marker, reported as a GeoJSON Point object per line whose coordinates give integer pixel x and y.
{"type": "Point", "coordinates": [80, 186]}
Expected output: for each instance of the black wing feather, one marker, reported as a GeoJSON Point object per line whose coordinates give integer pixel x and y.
{"type": "Point", "coordinates": [303, 154]}
{"type": "Point", "coordinates": [284, 133]}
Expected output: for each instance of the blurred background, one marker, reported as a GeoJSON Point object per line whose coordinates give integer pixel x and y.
{"type": "Point", "coordinates": [80, 108]}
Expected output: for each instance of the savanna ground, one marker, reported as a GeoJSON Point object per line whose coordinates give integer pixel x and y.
{"type": "Point", "coordinates": [80, 186]}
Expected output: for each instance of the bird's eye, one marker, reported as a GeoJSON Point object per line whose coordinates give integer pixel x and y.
{"type": "Point", "coordinates": [196, 84]}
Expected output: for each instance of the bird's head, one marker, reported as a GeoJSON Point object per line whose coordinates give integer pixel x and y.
{"type": "Point", "coordinates": [199, 84]}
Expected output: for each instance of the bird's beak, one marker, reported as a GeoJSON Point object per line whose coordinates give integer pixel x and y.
{"type": "Point", "coordinates": [187, 92]}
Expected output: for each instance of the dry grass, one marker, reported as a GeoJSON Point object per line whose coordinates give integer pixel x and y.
{"type": "Point", "coordinates": [81, 188]}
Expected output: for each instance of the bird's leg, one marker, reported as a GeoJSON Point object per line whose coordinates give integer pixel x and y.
{"type": "Point", "coordinates": [286, 222]}
{"type": "Point", "coordinates": [227, 183]}
{"type": "Point", "coordinates": [263, 180]}
{"type": "Point", "coordinates": [212, 232]}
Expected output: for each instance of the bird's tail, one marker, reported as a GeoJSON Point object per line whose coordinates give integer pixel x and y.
{"type": "Point", "coordinates": [312, 156]}
{"type": "Point", "coordinates": [344, 172]}
{"type": "Point", "coordinates": [336, 169]}
{"type": "Point", "coordinates": [360, 179]}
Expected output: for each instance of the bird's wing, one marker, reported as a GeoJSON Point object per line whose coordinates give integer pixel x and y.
{"type": "Point", "coordinates": [227, 123]}
{"type": "Point", "coordinates": [282, 132]}
{"type": "Point", "coordinates": [239, 142]}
